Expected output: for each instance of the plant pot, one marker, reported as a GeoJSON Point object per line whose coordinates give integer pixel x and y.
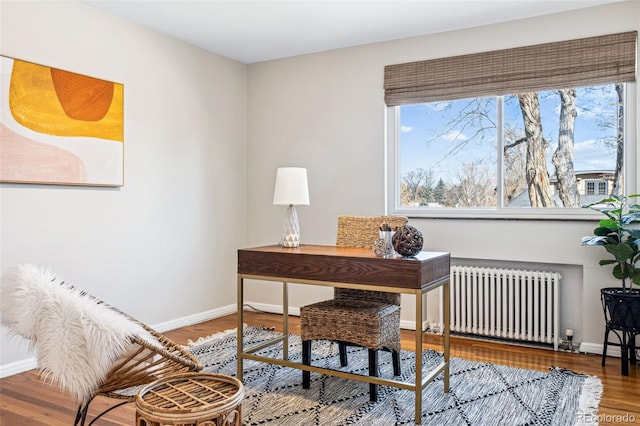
{"type": "Point", "coordinates": [622, 314]}
{"type": "Point", "coordinates": [621, 308]}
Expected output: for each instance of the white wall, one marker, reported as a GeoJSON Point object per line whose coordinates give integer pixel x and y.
{"type": "Point", "coordinates": [163, 246]}
{"type": "Point", "coordinates": [325, 112]}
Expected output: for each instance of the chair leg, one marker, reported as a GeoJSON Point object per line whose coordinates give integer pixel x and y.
{"type": "Point", "coordinates": [81, 415]}
{"type": "Point", "coordinates": [342, 348]}
{"type": "Point", "coordinates": [395, 356]}
{"type": "Point", "coordinates": [606, 342]}
{"type": "Point", "coordinates": [624, 349]}
{"type": "Point", "coordinates": [373, 371]}
{"type": "Point", "coordinates": [306, 360]}
{"type": "Point", "coordinates": [632, 348]}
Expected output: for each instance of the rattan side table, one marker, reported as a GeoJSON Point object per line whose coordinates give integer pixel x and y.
{"type": "Point", "coordinates": [202, 399]}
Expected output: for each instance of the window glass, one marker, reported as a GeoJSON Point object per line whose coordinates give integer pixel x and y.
{"type": "Point", "coordinates": [448, 154]}
{"type": "Point", "coordinates": [542, 150]}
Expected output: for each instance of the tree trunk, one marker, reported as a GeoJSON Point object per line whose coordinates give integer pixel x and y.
{"type": "Point", "coordinates": [536, 167]}
{"type": "Point", "coordinates": [563, 157]}
{"type": "Point", "coordinates": [615, 187]}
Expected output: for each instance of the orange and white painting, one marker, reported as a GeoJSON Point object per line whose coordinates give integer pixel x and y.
{"type": "Point", "coordinates": [59, 127]}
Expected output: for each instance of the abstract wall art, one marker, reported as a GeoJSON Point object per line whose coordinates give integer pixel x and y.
{"type": "Point", "coordinates": [59, 127]}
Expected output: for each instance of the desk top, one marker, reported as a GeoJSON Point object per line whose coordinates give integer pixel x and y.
{"type": "Point", "coordinates": [344, 264]}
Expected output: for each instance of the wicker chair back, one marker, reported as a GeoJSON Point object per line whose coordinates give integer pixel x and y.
{"type": "Point", "coordinates": [362, 231]}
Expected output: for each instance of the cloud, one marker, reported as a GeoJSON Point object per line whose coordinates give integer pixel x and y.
{"type": "Point", "coordinates": [592, 155]}
{"type": "Point", "coordinates": [455, 135]}
{"type": "Point", "coordinates": [406, 129]}
{"type": "Point", "coordinates": [596, 112]}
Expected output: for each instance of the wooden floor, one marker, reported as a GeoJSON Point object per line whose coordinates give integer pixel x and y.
{"type": "Point", "coordinates": [25, 400]}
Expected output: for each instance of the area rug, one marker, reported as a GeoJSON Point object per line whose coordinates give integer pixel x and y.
{"type": "Point", "coordinates": [481, 393]}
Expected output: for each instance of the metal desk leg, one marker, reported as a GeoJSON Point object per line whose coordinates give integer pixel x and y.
{"type": "Point", "coordinates": [240, 325]}
{"type": "Point", "coordinates": [447, 322]}
{"type": "Point", "coordinates": [418, 381]}
{"type": "Point", "coordinates": [285, 321]}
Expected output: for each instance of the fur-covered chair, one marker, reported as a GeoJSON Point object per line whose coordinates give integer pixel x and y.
{"type": "Point", "coordinates": [83, 345]}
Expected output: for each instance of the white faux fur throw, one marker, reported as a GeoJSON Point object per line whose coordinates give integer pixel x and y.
{"type": "Point", "coordinates": [76, 339]}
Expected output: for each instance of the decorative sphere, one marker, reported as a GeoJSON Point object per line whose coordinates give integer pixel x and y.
{"type": "Point", "coordinates": [407, 241]}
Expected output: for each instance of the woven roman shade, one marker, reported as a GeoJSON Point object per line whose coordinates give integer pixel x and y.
{"type": "Point", "coordinates": [573, 63]}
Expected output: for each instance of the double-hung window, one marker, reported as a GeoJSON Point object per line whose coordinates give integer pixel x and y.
{"type": "Point", "coordinates": [537, 131]}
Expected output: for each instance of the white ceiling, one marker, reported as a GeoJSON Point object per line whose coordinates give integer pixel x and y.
{"type": "Point", "coordinates": [260, 30]}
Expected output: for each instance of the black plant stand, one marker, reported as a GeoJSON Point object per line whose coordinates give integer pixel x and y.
{"type": "Point", "coordinates": [622, 316]}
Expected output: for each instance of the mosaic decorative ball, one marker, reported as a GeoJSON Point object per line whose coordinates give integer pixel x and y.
{"type": "Point", "coordinates": [382, 248]}
{"type": "Point", "coordinates": [407, 241]}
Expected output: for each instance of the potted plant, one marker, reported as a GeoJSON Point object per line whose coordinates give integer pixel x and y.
{"type": "Point", "coordinates": [618, 236]}
{"type": "Point", "coordinates": [621, 305]}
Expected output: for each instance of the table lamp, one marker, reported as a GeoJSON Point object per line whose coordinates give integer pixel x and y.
{"type": "Point", "coordinates": [291, 190]}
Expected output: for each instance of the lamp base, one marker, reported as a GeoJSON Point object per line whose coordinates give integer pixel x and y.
{"type": "Point", "coordinates": [290, 229]}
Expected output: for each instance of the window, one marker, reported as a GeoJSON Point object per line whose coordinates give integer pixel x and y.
{"type": "Point", "coordinates": [602, 187]}
{"type": "Point", "coordinates": [481, 153]}
{"type": "Point", "coordinates": [506, 151]}
{"type": "Point", "coordinates": [598, 187]}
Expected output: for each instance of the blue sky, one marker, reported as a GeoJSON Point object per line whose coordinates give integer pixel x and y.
{"type": "Point", "coordinates": [427, 144]}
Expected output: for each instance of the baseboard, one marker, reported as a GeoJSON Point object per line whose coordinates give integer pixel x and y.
{"type": "Point", "coordinates": [30, 363]}
{"type": "Point", "coordinates": [411, 325]}
{"type": "Point", "coordinates": [272, 309]}
{"type": "Point", "coordinates": [195, 318]}
{"type": "Point", "coordinates": [596, 348]}
{"type": "Point", "coordinates": [16, 367]}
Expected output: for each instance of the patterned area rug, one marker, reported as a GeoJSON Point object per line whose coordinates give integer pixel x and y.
{"type": "Point", "coordinates": [481, 393]}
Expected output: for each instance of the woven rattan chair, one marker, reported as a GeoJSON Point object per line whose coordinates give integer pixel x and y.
{"type": "Point", "coordinates": [33, 297]}
{"type": "Point", "coordinates": [354, 317]}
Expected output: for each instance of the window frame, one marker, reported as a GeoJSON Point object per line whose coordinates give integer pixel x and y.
{"type": "Point", "coordinates": [393, 181]}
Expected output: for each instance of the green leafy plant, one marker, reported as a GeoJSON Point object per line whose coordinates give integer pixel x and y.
{"type": "Point", "coordinates": [618, 236]}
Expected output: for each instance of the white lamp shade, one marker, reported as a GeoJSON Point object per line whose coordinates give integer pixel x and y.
{"type": "Point", "coordinates": [291, 187]}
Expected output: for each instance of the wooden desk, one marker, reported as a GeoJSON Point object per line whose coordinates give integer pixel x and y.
{"type": "Point", "coordinates": [350, 268]}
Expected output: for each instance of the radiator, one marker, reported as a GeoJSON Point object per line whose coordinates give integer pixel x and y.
{"type": "Point", "coordinates": [509, 304]}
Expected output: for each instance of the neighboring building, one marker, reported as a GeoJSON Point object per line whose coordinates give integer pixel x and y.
{"type": "Point", "coordinates": [593, 186]}
{"type": "Point", "coordinates": [595, 182]}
